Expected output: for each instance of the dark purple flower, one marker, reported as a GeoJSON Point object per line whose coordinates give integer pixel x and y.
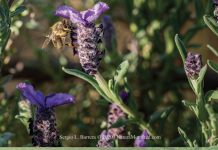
{"type": "Point", "coordinates": [114, 113]}
{"type": "Point", "coordinates": [110, 32]}
{"type": "Point", "coordinates": [140, 140]}
{"type": "Point", "coordinates": [105, 140]}
{"type": "Point", "coordinates": [49, 101]}
{"type": "Point", "coordinates": [193, 65]}
{"type": "Point", "coordinates": [43, 127]}
{"type": "Point", "coordinates": [88, 36]}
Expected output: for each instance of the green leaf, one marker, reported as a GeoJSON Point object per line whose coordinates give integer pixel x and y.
{"type": "Point", "coordinates": [4, 138]}
{"type": "Point", "coordinates": [211, 23]}
{"type": "Point", "coordinates": [27, 82]}
{"type": "Point", "coordinates": [3, 28]}
{"type": "Point", "coordinates": [211, 94]}
{"type": "Point", "coordinates": [131, 102]}
{"type": "Point", "coordinates": [200, 80]}
{"type": "Point", "coordinates": [5, 79]}
{"type": "Point", "coordinates": [199, 9]}
{"type": "Point", "coordinates": [195, 143]}
{"type": "Point", "coordinates": [213, 65]}
{"type": "Point", "coordinates": [2, 14]}
{"type": "Point", "coordinates": [175, 142]}
{"type": "Point", "coordinates": [215, 106]}
{"type": "Point", "coordinates": [5, 41]}
{"type": "Point", "coordinates": [116, 142]}
{"type": "Point", "coordinates": [102, 102]}
{"type": "Point", "coordinates": [6, 8]}
{"type": "Point", "coordinates": [191, 32]}
{"type": "Point", "coordinates": [213, 50]}
{"type": "Point", "coordinates": [181, 48]}
{"type": "Point", "coordinates": [24, 120]}
{"type": "Point", "coordinates": [192, 106]}
{"type": "Point", "coordinates": [119, 123]}
{"type": "Point", "coordinates": [155, 116]}
{"type": "Point", "coordinates": [92, 80]}
{"type": "Point", "coordinates": [194, 46]}
{"type": "Point", "coordinates": [120, 72]}
{"type": "Point", "coordinates": [185, 137]}
{"type": "Point", "coordinates": [163, 118]}
{"type": "Point", "coordinates": [18, 10]}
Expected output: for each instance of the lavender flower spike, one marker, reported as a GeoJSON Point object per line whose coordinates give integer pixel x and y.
{"type": "Point", "coordinates": [140, 140]}
{"type": "Point", "coordinates": [43, 127]}
{"type": "Point", "coordinates": [105, 140]}
{"type": "Point", "coordinates": [88, 36]}
{"type": "Point", "coordinates": [193, 65]}
{"type": "Point", "coordinates": [114, 113]}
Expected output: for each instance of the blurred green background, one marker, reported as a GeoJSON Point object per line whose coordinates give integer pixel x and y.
{"type": "Point", "coordinates": [145, 31]}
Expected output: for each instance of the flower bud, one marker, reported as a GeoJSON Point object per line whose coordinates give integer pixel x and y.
{"type": "Point", "coordinates": [193, 65]}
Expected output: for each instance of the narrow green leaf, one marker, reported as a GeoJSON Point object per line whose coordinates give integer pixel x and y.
{"type": "Point", "coordinates": [116, 142]}
{"type": "Point", "coordinates": [195, 143]}
{"type": "Point", "coordinates": [18, 10]}
{"type": "Point", "coordinates": [27, 82]}
{"type": "Point", "coordinates": [192, 106]}
{"type": "Point", "coordinates": [91, 79]}
{"type": "Point", "coordinates": [211, 23]}
{"type": "Point", "coordinates": [24, 120]}
{"type": "Point", "coordinates": [131, 102]}
{"type": "Point", "coordinates": [120, 72]}
{"type": "Point", "coordinates": [213, 65]}
{"type": "Point", "coordinates": [5, 41]}
{"type": "Point", "coordinates": [181, 48]}
{"type": "Point", "coordinates": [6, 8]}
{"type": "Point", "coordinates": [119, 123]}
{"type": "Point", "coordinates": [200, 80]}
{"type": "Point", "coordinates": [194, 46]}
{"type": "Point", "coordinates": [102, 102]}
{"type": "Point", "coordinates": [211, 94]}
{"type": "Point", "coordinates": [163, 118]}
{"type": "Point", "coordinates": [2, 14]}
{"type": "Point", "coordinates": [155, 116]}
{"type": "Point", "coordinates": [6, 136]}
{"type": "Point", "coordinates": [5, 79]}
{"type": "Point", "coordinates": [199, 9]}
{"type": "Point", "coordinates": [215, 107]}
{"type": "Point", "coordinates": [185, 137]}
{"type": "Point", "coordinates": [213, 50]}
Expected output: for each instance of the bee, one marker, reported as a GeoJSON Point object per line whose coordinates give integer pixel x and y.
{"type": "Point", "coordinates": [57, 33]}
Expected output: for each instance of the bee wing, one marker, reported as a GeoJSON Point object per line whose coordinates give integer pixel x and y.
{"type": "Point", "coordinates": [54, 40]}
{"type": "Point", "coordinates": [48, 32]}
{"type": "Point", "coordinates": [49, 39]}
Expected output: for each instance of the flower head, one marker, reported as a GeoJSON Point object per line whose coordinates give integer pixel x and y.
{"type": "Point", "coordinates": [193, 65]}
{"type": "Point", "coordinates": [43, 127]}
{"type": "Point", "coordinates": [114, 113]}
{"type": "Point", "coordinates": [105, 140]}
{"type": "Point", "coordinates": [88, 36]}
{"type": "Point", "coordinates": [140, 141]}
{"type": "Point", "coordinates": [49, 101]}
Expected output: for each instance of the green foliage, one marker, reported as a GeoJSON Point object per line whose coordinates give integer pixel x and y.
{"type": "Point", "coordinates": [18, 11]}
{"type": "Point", "coordinates": [116, 142]}
{"type": "Point", "coordinates": [213, 65]}
{"type": "Point", "coordinates": [185, 138]}
{"type": "Point", "coordinates": [119, 123]}
{"type": "Point", "coordinates": [155, 116]}
{"type": "Point", "coordinates": [4, 138]}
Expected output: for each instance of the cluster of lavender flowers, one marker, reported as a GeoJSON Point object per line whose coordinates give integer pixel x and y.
{"type": "Point", "coordinates": [42, 127]}
{"type": "Point", "coordinates": [215, 5]}
{"type": "Point", "coordinates": [88, 36]}
{"type": "Point", "coordinates": [193, 65]}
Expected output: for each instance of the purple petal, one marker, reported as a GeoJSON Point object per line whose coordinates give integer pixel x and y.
{"type": "Point", "coordinates": [69, 13]}
{"type": "Point", "coordinates": [58, 99]}
{"type": "Point", "coordinates": [124, 96]}
{"type": "Point", "coordinates": [35, 97]}
{"type": "Point", "coordinates": [92, 14]}
{"type": "Point", "coordinates": [140, 141]}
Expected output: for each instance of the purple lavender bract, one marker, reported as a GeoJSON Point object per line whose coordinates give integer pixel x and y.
{"type": "Point", "coordinates": [140, 141]}
{"type": "Point", "coordinates": [193, 65]}
{"type": "Point", "coordinates": [88, 36]}
{"type": "Point", "coordinates": [43, 127]}
{"type": "Point", "coordinates": [105, 140]}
